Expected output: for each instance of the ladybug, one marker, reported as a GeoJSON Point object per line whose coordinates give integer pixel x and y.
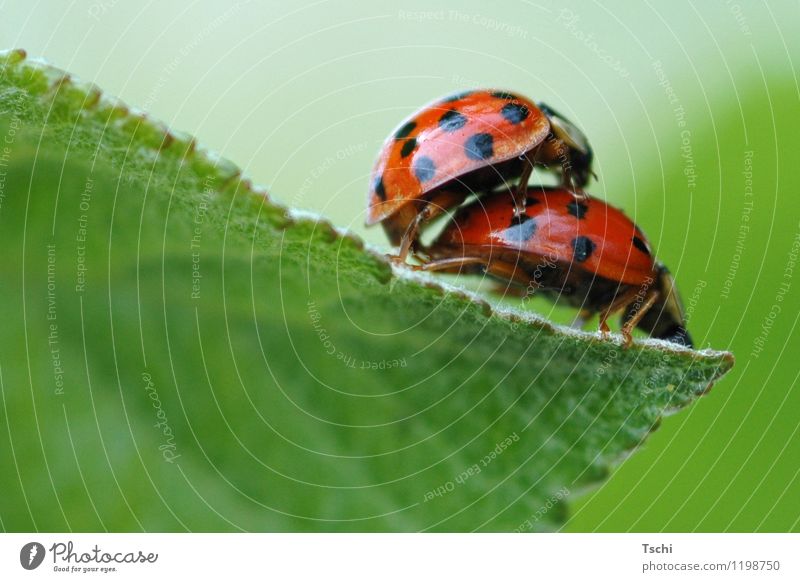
{"type": "Point", "coordinates": [582, 251]}
{"type": "Point", "coordinates": [468, 143]}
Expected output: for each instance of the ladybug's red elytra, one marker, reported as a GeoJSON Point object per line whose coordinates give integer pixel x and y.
{"type": "Point", "coordinates": [464, 144]}
{"type": "Point", "coordinates": [580, 250]}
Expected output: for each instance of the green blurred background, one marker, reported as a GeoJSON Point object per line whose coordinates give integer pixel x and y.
{"type": "Point", "coordinates": [693, 110]}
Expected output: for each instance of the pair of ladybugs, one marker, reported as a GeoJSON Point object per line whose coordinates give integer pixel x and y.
{"type": "Point", "coordinates": [482, 145]}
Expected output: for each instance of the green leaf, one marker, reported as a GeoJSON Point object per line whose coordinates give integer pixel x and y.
{"type": "Point", "coordinates": [181, 352]}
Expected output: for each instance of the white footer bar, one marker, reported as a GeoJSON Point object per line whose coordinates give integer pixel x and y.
{"type": "Point", "coordinates": [401, 557]}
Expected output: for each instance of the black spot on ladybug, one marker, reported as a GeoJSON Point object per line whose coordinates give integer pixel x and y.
{"type": "Point", "coordinates": [582, 248]}
{"type": "Point", "coordinates": [457, 96]}
{"type": "Point", "coordinates": [405, 130]}
{"type": "Point", "coordinates": [641, 245]}
{"type": "Point", "coordinates": [515, 112]}
{"type": "Point", "coordinates": [531, 201]}
{"type": "Point", "coordinates": [408, 147]}
{"type": "Point", "coordinates": [424, 168]}
{"type": "Point", "coordinates": [479, 146]}
{"type": "Point", "coordinates": [521, 229]}
{"type": "Point", "coordinates": [452, 120]}
{"type": "Point", "coordinates": [503, 95]}
{"type": "Point", "coordinates": [380, 189]}
{"type": "Point", "coordinates": [577, 209]}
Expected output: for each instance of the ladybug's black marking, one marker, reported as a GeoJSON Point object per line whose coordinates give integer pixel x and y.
{"type": "Point", "coordinates": [530, 201]}
{"type": "Point", "coordinates": [577, 209]}
{"type": "Point", "coordinates": [457, 96]}
{"type": "Point", "coordinates": [677, 334]}
{"type": "Point", "coordinates": [380, 189]}
{"type": "Point", "coordinates": [515, 112]}
{"type": "Point", "coordinates": [521, 229]}
{"type": "Point", "coordinates": [424, 168]}
{"type": "Point", "coordinates": [582, 248]}
{"type": "Point", "coordinates": [503, 95]}
{"type": "Point", "coordinates": [479, 146]}
{"type": "Point", "coordinates": [452, 120]}
{"type": "Point", "coordinates": [641, 245]}
{"type": "Point", "coordinates": [405, 130]}
{"type": "Point", "coordinates": [408, 147]}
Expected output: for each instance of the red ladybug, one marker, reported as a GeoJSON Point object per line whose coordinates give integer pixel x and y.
{"type": "Point", "coordinates": [468, 143]}
{"type": "Point", "coordinates": [580, 250]}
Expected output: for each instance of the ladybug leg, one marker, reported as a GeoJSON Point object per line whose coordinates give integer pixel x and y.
{"type": "Point", "coordinates": [649, 300]}
{"type": "Point", "coordinates": [515, 283]}
{"type": "Point", "coordinates": [508, 272]}
{"type": "Point", "coordinates": [409, 237]}
{"type": "Point", "coordinates": [603, 325]}
{"type": "Point", "coordinates": [619, 303]}
{"type": "Point", "coordinates": [568, 183]}
{"type": "Point", "coordinates": [433, 208]}
{"type": "Point", "coordinates": [521, 191]}
{"type": "Point", "coordinates": [428, 212]}
{"type": "Point", "coordinates": [497, 268]}
{"type": "Point", "coordinates": [452, 265]}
